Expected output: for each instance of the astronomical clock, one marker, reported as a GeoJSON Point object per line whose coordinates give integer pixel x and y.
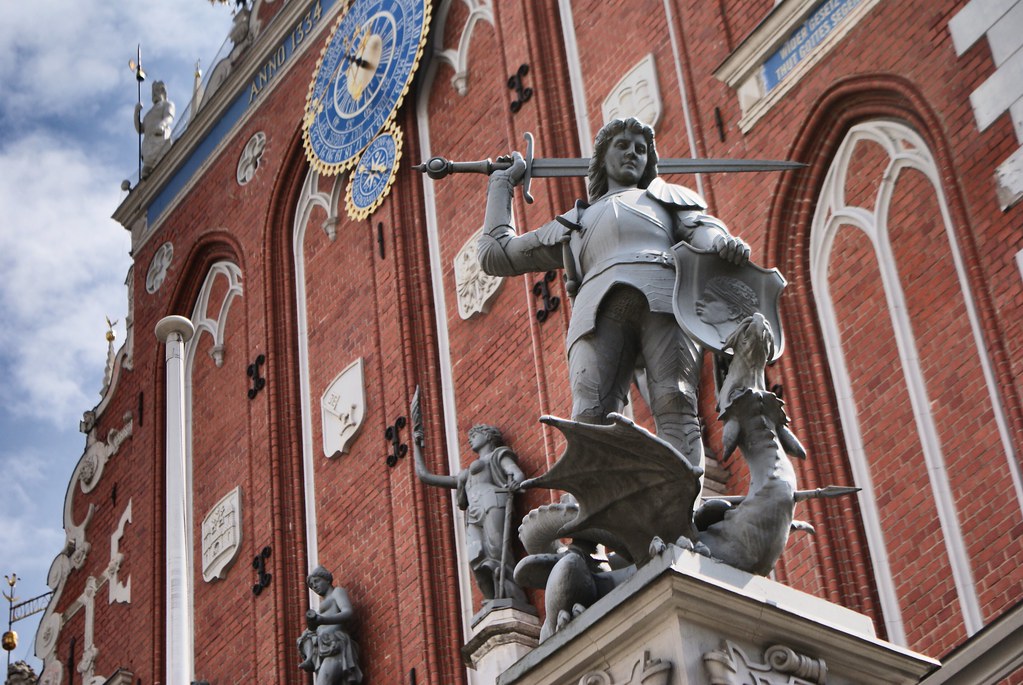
{"type": "Point", "coordinates": [362, 76]}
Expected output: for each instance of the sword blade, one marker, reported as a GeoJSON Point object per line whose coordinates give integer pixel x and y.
{"type": "Point", "coordinates": [579, 166]}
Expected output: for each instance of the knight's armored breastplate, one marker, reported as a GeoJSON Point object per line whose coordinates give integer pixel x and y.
{"type": "Point", "coordinates": [625, 228]}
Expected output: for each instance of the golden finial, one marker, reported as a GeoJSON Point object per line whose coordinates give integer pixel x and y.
{"type": "Point", "coordinates": [110, 329]}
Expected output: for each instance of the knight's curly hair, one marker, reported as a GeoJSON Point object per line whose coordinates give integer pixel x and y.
{"type": "Point", "coordinates": [597, 172]}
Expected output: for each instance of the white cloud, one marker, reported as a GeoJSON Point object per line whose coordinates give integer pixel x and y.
{"type": "Point", "coordinates": [62, 268]}
{"type": "Point", "coordinates": [58, 57]}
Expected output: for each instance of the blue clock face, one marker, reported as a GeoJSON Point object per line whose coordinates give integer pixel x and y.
{"type": "Point", "coordinates": [372, 177]}
{"type": "Point", "coordinates": [363, 75]}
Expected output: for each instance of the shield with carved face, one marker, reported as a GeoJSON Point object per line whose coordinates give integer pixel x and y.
{"type": "Point", "coordinates": [712, 296]}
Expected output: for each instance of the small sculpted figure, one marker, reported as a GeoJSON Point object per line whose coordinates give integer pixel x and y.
{"type": "Point", "coordinates": [618, 248]}
{"type": "Point", "coordinates": [155, 127]}
{"type": "Point", "coordinates": [484, 490]}
{"type": "Point", "coordinates": [326, 647]}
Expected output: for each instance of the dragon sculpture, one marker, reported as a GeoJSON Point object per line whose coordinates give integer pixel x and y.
{"type": "Point", "coordinates": [630, 492]}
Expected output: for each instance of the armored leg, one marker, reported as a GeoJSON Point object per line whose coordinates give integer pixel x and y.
{"type": "Point", "coordinates": [672, 362]}
{"type": "Point", "coordinates": [601, 364]}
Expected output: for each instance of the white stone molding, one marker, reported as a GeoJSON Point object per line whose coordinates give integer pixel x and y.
{"type": "Point", "coordinates": [635, 95]}
{"type": "Point", "coordinates": [52, 621]}
{"type": "Point", "coordinates": [1002, 91]}
{"type": "Point", "coordinates": [118, 591]}
{"type": "Point", "coordinates": [906, 151]}
{"type": "Point", "coordinates": [310, 198]}
{"type": "Point", "coordinates": [222, 536]}
{"type": "Point", "coordinates": [643, 671]}
{"type": "Point", "coordinates": [575, 77]}
{"type": "Point", "coordinates": [743, 70]}
{"type": "Point", "coordinates": [458, 58]}
{"type": "Point", "coordinates": [474, 288]}
{"type": "Point", "coordinates": [342, 410]}
{"type": "Point", "coordinates": [250, 158]}
{"type": "Point", "coordinates": [215, 326]}
{"type": "Point", "coordinates": [87, 661]}
{"type": "Point", "coordinates": [86, 475]}
{"type": "Point", "coordinates": [158, 267]}
{"type": "Point", "coordinates": [98, 453]}
{"type": "Point", "coordinates": [780, 665]}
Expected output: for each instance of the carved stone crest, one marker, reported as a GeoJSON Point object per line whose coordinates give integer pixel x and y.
{"type": "Point", "coordinates": [712, 297]}
{"type": "Point", "coordinates": [636, 95]}
{"type": "Point", "coordinates": [475, 288]}
{"type": "Point", "coordinates": [343, 407]}
{"type": "Point", "coordinates": [221, 536]}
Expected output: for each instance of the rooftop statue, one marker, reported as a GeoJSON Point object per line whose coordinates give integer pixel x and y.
{"type": "Point", "coordinates": [326, 646]}
{"type": "Point", "coordinates": [155, 127]}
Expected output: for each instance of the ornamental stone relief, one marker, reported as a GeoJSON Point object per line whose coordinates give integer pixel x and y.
{"type": "Point", "coordinates": [475, 288]}
{"type": "Point", "coordinates": [730, 665]}
{"type": "Point", "coordinates": [644, 671]}
{"type": "Point", "coordinates": [221, 536]}
{"type": "Point", "coordinates": [636, 95]}
{"type": "Point", "coordinates": [250, 158]}
{"type": "Point", "coordinates": [158, 267]}
{"type": "Point", "coordinates": [119, 591]}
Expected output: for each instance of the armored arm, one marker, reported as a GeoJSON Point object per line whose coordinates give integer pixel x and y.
{"type": "Point", "coordinates": [500, 251]}
{"type": "Point", "coordinates": [706, 232]}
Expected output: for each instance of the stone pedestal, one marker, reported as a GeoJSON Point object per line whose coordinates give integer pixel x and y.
{"type": "Point", "coordinates": [500, 638]}
{"type": "Point", "coordinates": [684, 619]}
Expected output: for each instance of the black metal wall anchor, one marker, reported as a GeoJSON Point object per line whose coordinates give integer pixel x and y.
{"type": "Point", "coordinates": [393, 435]}
{"type": "Point", "coordinates": [262, 577]}
{"type": "Point", "coordinates": [258, 382]}
{"type": "Point", "coordinates": [515, 83]}
{"type": "Point", "coordinates": [542, 290]}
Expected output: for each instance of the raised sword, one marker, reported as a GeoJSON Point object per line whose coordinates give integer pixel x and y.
{"type": "Point", "coordinates": [439, 167]}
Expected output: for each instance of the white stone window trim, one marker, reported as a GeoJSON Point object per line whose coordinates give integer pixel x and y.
{"type": "Point", "coordinates": [215, 328]}
{"type": "Point", "coordinates": [310, 198]}
{"type": "Point", "coordinates": [906, 151]}
{"type": "Point", "coordinates": [742, 72]}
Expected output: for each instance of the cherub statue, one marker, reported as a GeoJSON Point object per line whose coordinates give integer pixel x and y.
{"type": "Point", "coordinates": [325, 645]}
{"type": "Point", "coordinates": [156, 127]}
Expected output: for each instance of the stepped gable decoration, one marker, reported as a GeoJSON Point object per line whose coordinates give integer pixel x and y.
{"type": "Point", "coordinates": [634, 492]}
{"type": "Point", "coordinates": [485, 490]}
{"type": "Point", "coordinates": [361, 78]}
{"type": "Point", "coordinates": [326, 646]}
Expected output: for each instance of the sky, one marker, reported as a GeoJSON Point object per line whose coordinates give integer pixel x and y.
{"type": "Point", "coordinates": [67, 141]}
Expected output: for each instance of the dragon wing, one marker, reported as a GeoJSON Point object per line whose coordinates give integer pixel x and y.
{"type": "Point", "coordinates": [627, 481]}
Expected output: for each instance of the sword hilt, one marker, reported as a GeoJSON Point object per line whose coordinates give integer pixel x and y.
{"type": "Point", "coordinates": [440, 167]}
